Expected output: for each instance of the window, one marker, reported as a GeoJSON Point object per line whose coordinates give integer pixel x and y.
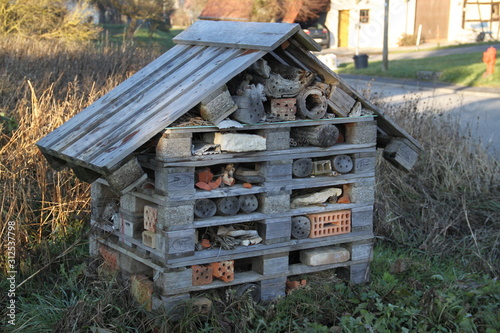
{"type": "Point", "coordinates": [364, 16]}
{"type": "Point", "coordinates": [495, 11]}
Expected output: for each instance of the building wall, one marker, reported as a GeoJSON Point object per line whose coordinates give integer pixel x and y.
{"type": "Point", "coordinates": [401, 21]}
{"type": "Point", "coordinates": [466, 17]}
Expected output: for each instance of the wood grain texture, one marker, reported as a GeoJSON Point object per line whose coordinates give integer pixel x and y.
{"type": "Point", "coordinates": [245, 35]}
{"type": "Point", "coordinates": [201, 257]}
{"type": "Point", "coordinates": [105, 133]}
{"type": "Point", "coordinates": [276, 155]}
{"type": "Point", "coordinates": [273, 125]}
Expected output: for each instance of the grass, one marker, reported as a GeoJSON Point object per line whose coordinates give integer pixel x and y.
{"type": "Point", "coordinates": [438, 47]}
{"type": "Point", "coordinates": [462, 69]}
{"type": "Point", "coordinates": [408, 292]}
{"type": "Point", "coordinates": [436, 263]}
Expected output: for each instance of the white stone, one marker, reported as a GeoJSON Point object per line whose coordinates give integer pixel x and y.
{"type": "Point", "coordinates": [236, 142]}
{"type": "Point", "coordinates": [324, 256]}
{"type": "Point", "coordinates": [316, 198]}
{"type": "Point", "coordinates": [229, 123]}
{"type": "Point", "coordinates": [255, 240]}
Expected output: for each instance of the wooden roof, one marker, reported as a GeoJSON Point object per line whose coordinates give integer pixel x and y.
{"type": "Point", "coordinates": [210, 53]}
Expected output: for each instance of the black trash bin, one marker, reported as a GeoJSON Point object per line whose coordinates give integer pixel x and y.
{"type": "Point", "coordinates": [360, 61]}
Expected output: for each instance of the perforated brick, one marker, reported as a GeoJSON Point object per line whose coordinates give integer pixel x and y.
{"type": "Point", "coordinates": [110, 258]}
{"type": "Point", "coordinates": [150, 218]}
{"type": "Point", "coordinates": [141, 289]}
{"type": "Point", "coordinates": [329, 224]}
{"type": "Point", "coordinates": [283, 108]}
{"type": "Point", "coordinates": [202, 275]}
{"type": "Point", "coordinates": [130, 228]}
{"type": "Point", "coordinates": [322, 167]}
{"type": "Point", "coordinates": [223, 270]}
{"type": "Point", "coordinates": [149, 239]}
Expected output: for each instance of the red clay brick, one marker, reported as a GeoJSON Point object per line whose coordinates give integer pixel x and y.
{"type": "Point", "coordinates": [223, 270]}
{"type": "Point", "coordinates": [329, 224]}
{"type": "Point", "coordinates": [110, 257]}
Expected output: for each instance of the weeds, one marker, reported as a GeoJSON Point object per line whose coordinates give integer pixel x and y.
{"type": "Point", "coordinates": [44, 84]}
{"type": "Point", "coordinates": [450, 203]}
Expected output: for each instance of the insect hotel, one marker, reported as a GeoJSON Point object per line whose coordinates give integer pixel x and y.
{"type": "Point", "coordinates": [236, 159]}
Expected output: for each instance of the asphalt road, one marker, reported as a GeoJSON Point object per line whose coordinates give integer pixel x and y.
{"type": "Point", "coordinates": [345, 55]}
{"type": "Point", "coordinates": [476, 110]}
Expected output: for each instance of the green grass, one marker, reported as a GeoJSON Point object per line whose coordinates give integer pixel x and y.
{"type": "Point", "coordinates": [462, 69]}
{"type": "Point", "coordinates": [408, 292]}
{"type": "Point", "coordinates": [114, 33]}
{"type": "Point", "coordinates": [438, 47]}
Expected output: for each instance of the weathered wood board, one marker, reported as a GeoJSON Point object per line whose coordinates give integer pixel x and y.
{"type": "Point", "coordinates": [250, 35]}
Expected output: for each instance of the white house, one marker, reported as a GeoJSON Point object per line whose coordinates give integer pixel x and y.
{"type": "Point", "coordinates": [362, 21]}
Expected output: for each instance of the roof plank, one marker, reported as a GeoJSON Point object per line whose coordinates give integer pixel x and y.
{"type": "Point", "coordinates": [188, 96]}
{"type": "Point", "coordinates": [116, 99]}
{"type": "Point", "coordinates": [245, 35]}
{"type": "Point", "coordinates": [147, 101]}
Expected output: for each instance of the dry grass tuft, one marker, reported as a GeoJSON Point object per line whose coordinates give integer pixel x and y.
{"type": "Point", "coordinates": [450, 203]}
{"type": "Point", "coordinates": [42, 85]}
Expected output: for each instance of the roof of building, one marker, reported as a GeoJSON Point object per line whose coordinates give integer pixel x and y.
{"type": "Point", "coordinates": [227, 10]}
{"type": "Point", "coordinates": [209, 54]}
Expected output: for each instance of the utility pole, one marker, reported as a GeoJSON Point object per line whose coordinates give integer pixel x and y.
{"type": "Point", "coordinates": [385, 50]}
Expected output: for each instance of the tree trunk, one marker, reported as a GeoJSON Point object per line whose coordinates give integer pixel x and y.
{"type": "Point", "coordinates": [131, 28]}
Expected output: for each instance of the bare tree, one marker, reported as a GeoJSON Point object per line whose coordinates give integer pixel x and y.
{"type": "Point", "coordinates": [140, 10]}
{"type": "Point", "coordinates": [312, 9]}
{"type": "Point", "coordinates": [288, 10]}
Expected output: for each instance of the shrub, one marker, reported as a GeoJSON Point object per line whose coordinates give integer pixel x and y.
{"type": "Point", "coordinates": [449, 204]}
{"type": "Point", "coordinates": [409, 40]}
{"type": "Point", "coordinates": [46, 19]}
{"type": "Point", "coordinates": [43, 84]}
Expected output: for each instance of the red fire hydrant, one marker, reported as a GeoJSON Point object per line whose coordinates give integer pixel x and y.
{"type": "Point", "coordinates": [489, 58]}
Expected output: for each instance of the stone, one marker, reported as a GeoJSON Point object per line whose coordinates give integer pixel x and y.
{"type": "Point", "coordinates": [110, 257]}
{"type": "Point", "coordinates": [324, 256]}
{"type": "Point", "coordinates": [428, 75]}
{"type": "Point", "coordinates": [269, 204]}
{"type": "Point", "coordinates": [217, 106]}
{"type": "Point", "coordinates": [276, 138]}
{"type": "Point", "coordinates": [170, 146]}
{"type": "Point", "coordinates": [202, 305]}
{"type": "Point", "coordinates": [316, 198]}
{"type": "Point", "coordinates": [239, 142]}
{"type": "Point", "coordinates": [361, 132]}
{"type": "Point", "coordinates": [132, 204]}
{"type": "Point", "coordinates": [175, 216]}
{"type": "Point", "coordinates": [127, 177]}
{"type": "Point", "coordinates": [223, 270]}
